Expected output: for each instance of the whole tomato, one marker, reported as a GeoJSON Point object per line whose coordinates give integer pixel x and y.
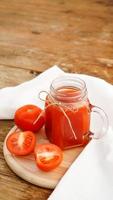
{"type": "Point", "coordinates": [29, 118]}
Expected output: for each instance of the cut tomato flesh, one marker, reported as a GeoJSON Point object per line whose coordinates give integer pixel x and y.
{"type": "Point", "coordinates": [21, 143]}
{"type": "Point", "coordinates": [48, 156]}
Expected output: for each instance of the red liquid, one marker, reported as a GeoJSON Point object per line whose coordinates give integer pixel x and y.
{"type": "Point", "coordinates": [57, 127]}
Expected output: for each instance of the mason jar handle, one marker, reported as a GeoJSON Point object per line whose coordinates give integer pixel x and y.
{"type": "Point", "coordinates": [104, 118]}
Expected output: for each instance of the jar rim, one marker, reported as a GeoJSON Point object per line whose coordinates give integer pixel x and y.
{"type": "Point", "coordinates": [68, 81]}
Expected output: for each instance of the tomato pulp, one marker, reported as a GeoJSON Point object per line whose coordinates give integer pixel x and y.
{"type": "Point", "coordinates": [65, 120]}
{"type": "Point", "coordinates": [48, 156]}
{"type": "Point", "coordinates": [21, 143]}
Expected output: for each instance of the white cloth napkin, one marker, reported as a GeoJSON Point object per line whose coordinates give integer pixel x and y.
{"type": "Point", "coordinates": [12, 98]}
{"type": "Point", "coordinates": [91, 175]}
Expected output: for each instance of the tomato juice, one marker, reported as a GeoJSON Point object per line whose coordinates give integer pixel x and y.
{"type": "Point", "coordinates": [67, 117]}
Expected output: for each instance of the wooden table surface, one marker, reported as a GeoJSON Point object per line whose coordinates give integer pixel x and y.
{"type": "Point", "coordinates": [77, 35]}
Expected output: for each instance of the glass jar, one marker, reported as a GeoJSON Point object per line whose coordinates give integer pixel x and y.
{"type": "Point", "coordinates": [68, 113]}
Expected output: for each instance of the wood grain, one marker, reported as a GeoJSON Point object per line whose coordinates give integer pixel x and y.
{"type": "Point", "coordinates": [9, 76]}
{"type": "Point", "coordinates": [77, 35]}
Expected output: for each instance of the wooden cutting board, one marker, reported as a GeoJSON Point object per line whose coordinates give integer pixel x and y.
{"type": "Point", "coordinates": [26, 168]}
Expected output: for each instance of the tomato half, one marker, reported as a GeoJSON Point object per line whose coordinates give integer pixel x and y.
{"type": "Point", "coordinates": [26, 116]}
{"type": "Point", "coordinates": [48, 156]}
{"type": "Point", "coordinates": [21, 143]}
